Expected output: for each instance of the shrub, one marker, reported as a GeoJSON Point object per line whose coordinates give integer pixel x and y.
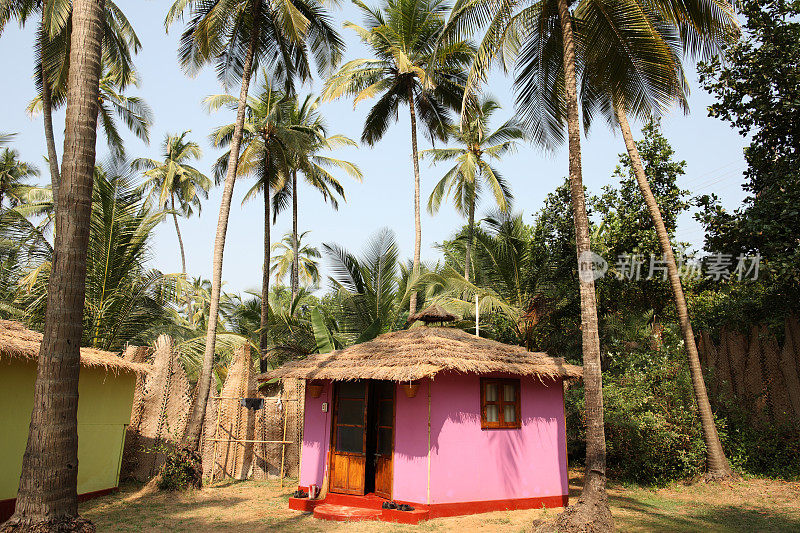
{"type": "Point", "coordinates": [652, 431]}
{"type": "Point", "coordinates": [182, 470]}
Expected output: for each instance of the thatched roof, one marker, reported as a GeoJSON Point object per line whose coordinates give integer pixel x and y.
{"type": "Point", "coordinates": [16, 341]}
{"type": "Point", "coordinates": [432, 313]}
{"type": "Point", "coordinates": [423, 352]}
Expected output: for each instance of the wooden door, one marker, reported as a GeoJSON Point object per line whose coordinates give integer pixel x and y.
{"type": "Point", "coordinates": [349, 444]}
{"type": "Point", "coordinates": [385, 438]}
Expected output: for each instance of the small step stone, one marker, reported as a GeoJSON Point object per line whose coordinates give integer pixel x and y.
{"type": "Point", "coordinates": [343, 513]}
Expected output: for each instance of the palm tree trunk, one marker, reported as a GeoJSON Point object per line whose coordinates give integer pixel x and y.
{"type": "Point", "coordinates": [263, 340]}
{"type": "Point", "coordinates": [197, 413]}
{"type": "Point", "coordinates": [295, 243]}
{"type": "Point", "coordinates": [48, 496]}
{"type": "Point", "coordinates": [592, 509]}
{"type": "Point", "coordinates": [47, 113]}
{"type": "Point", "coordinates": [470, 238]}
{"type": "Point", "coordinates": [180, 239]}
{"type": "Point", "coordinates": [716, 462]}
{"type": "Point", "coordinates": [417, 222]}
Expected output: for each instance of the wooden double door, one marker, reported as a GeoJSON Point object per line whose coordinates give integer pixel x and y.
{"type": "Point", "coordinates": [362, 439]}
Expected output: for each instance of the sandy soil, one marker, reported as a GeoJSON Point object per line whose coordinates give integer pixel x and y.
{"type": "Point", "coordinates": [748, 505]}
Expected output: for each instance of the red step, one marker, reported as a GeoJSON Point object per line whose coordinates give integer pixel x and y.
{"type": "Point", "coordinates": [344, 513]}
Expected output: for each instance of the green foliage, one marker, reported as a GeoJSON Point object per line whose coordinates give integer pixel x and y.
{"type": "Point", "coordinates": [125, 300]}
{"type": "Point", "coordinates": [14, 175]}
{"type": "Point", "coordinates": [652, 431]}
{"type": "Point", "coordinates": [408, 67]}
{"type": "Point", "coordinates": [283, 256]}
{"type": "Point", "coordinates": [182, 470]}
{"type": "Point", "coordinates": [757, 86]}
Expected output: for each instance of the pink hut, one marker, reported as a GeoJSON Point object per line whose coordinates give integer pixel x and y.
{"type": "Point", "coordinates": [433, 419]}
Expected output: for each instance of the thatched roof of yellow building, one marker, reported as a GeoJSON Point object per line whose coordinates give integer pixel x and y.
{"type": "Point", "coordinates": [424, 352]}
{"type": "Point", "coordinates": [18, 342]}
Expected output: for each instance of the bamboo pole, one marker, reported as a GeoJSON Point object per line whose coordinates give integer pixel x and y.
{"type": "Point", "coordinates": [283, 446]}
{"type": "Point", "coordinates": [250, 441]}
{"type": "Point", "coordinates": [216, 429]}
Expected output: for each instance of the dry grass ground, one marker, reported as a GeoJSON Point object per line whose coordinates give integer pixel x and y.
{"type": "Point", "coordinates": [750, 505]}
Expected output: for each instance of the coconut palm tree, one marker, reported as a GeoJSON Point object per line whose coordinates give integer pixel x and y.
{"type": "Point", "coordinates": [313, 167]}
{"type": "Point", "coordinates": [6, 138]}
{"type": "Point", "coordinates": [540, 37]}
{"type": "Point", "coordinates": [13, 175]}
{"type": "Point", "coordinates": [284, 259]}
{"type": "Point", "coordinates": [173, 178]}
{"type": "Point", "coordinates": [47, 496]}
{"type": "Point", "coordinates": [406, 69]}
{"type": "Point", "coordinates": [239, 36]}
{"type": "Point", "coordinates": [269, 139]}
{"type": "Point", "coordinates": [465, 180]}
{"type": "Point", "coordinates": [611, 41]}
{"type": "Point", "coordinates": [619, 83]}
{"type": "Point", "coordinates": [370, 290]}
{"type": "Point", "coordinates": [54, 28]}
{"type": "Point", "coordinates": [132, 110]}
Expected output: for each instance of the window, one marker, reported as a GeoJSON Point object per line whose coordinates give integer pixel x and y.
{"type": "Point", "coordinates": [500, 403]}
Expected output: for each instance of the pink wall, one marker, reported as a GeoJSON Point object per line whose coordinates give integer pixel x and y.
{"type": "Point", "coordinates": [316, 438]}
{"type": "Point", "coordinates": [471, 464]}
{"type": "Point", "coordinates": [467, 463]}
{"type": "Point", "coordinates": [410, 466]}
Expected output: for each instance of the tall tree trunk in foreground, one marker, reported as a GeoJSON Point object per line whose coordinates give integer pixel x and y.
{"type": "Point", "coordinates": [417, 222]}
{"type": "Point", "coordinates": [47, 114]}
{"type": "Point", "coordinates": [295, 275]}
{"type": "Point", "coordinates": [197, 413]}
{"type": "Point", "coordinates": [470, 238]}
{"type": "Point", "coordinates": [48, 495]}
{"type": "Point", "coordinates": [592, 511]}
{"type": "Point", "coordinates": [716, 462]}
{"type": "Point", "coordinates": [180, 239]}
{"type": "Point", "coordinates": [263, 336]}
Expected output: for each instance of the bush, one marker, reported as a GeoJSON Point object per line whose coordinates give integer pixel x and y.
{"type": "Point", "coordinates": [652, 431]}
{"type": "Point", "coordinates": [182, 470]}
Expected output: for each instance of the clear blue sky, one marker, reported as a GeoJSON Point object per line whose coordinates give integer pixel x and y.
{"type": "Point", "coordinates": [713, 152]}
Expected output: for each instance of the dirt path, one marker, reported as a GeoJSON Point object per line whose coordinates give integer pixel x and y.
{"type": "Point", "coordinates": [752, 505]}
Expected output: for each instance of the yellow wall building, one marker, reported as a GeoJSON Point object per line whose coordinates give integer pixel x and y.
{"type": "Point", "coordinates": [105, 395]}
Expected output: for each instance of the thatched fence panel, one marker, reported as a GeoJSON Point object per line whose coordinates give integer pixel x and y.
{"type": "Point", "coordinates": [757, 371]}
{"type": "Point", "coordinates": [159, 412]}
{"type": "Point", "coordinates": [229, 421]}
{"type": "Point", "coordinates": [790, 355]}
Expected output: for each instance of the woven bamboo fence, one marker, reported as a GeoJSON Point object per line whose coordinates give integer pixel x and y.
{"type": "Point", "coordinates": [228, 422]}
{"type": "Point", "coordinates": [757, 370]}
{"type": "Point", "coordinates": [238, 443]}
{"type": "Point", "coordinates": [159, 412]}
{"type": "Point", "coordinates": [242, 443]}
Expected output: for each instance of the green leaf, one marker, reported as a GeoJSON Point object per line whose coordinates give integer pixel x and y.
{"type": "Point", "coordinates": [322, 334]}
{"type": "Point", "coordinates": [371, 332]}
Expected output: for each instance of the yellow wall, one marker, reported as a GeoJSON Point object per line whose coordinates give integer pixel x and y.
{"type": "Point", "coordinates": [104, 409]}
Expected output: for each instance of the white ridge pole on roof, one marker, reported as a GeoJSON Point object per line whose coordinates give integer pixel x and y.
{"type": "Point", "coordinates": [477, 317]}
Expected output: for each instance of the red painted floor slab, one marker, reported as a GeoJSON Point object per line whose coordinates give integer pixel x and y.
{"type": "Point", "coordinates": [343, 513]}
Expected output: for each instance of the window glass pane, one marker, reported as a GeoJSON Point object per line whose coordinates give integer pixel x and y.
{"type": "Point", "coordinates": [508, 392]}
{"type": "Point", "coordinates": [350, 439]}
{"type": "Point", "coordinates": [491, 392]}
{"type": "Point", "coordinates": [386, 390]}
{"type": "Point", "coordinates": [510, 413]}
{"type": "Point", "coordinates": [352, 389]}
{"type": "Point", "coordinates": [351, 412]}
{"type": "Point", "coordinates": [386, 413]}
{"type": "Point", "coordinates": [492, 412]}
{"type": "Point", "coordinates": [385, 441]}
